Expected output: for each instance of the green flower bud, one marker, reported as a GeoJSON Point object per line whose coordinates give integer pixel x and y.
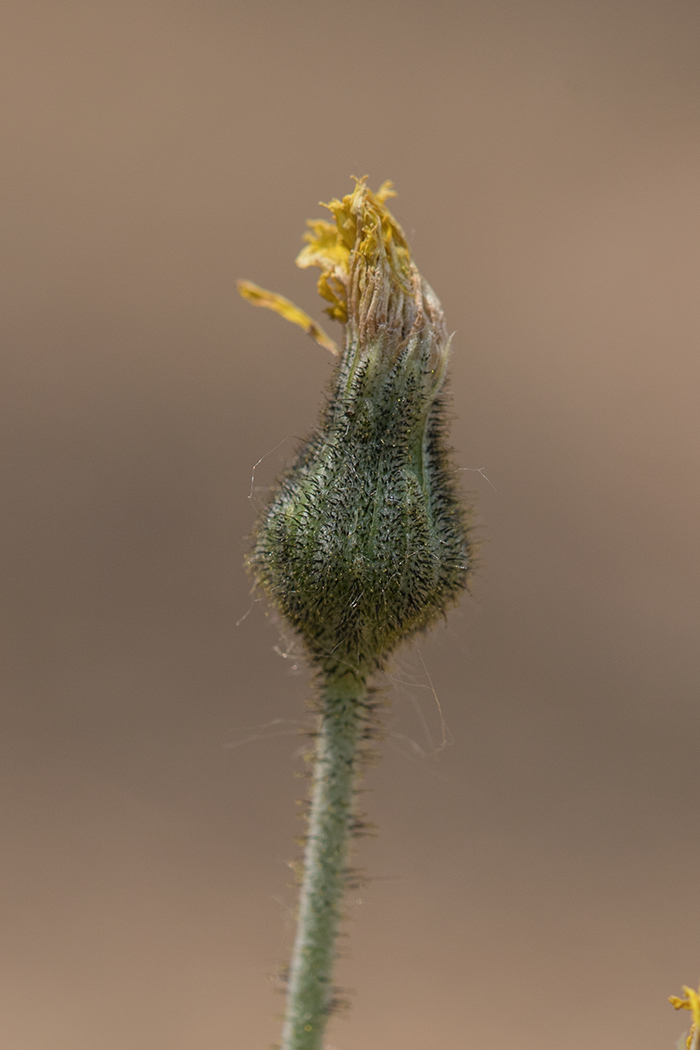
{"type": "Point", "coordinates": [365, 540]}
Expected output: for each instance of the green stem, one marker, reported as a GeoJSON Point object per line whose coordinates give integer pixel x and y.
{"type": "Point", "coordinates": [310, 989]}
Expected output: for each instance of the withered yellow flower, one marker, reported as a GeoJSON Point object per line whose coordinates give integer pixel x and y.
{"type": "Point", "coordinates": [690, 1002]}
{"type": "Point", "coordinates": [330, 245]}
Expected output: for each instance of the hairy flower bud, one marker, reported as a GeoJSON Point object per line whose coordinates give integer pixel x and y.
{"type": "Point", "coordinates": [365, 539]}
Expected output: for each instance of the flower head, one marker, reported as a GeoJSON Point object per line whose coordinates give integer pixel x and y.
{"type": "Point", "coordinates": [365, 540]}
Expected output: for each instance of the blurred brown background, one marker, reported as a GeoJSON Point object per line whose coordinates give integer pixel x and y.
{"type": "Point", "coordinates": [536, 877]}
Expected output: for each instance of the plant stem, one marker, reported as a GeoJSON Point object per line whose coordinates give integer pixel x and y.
{"type": "Point", "coordinates": [310, 991]}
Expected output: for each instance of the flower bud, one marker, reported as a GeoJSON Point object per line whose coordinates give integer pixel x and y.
{"type": "Point", "coordinates": [365, 539]}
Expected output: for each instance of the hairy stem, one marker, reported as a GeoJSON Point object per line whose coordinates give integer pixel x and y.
{"type": "Point", "coordinates": [310, 990]}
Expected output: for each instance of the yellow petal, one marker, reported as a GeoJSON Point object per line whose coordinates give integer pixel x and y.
{"type": "Point", "coordinates": [694, 998]}
{"type": "Point", "coordinates": [261, 297]}
{"type": "Point", "coordinates": [691, 1002]}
